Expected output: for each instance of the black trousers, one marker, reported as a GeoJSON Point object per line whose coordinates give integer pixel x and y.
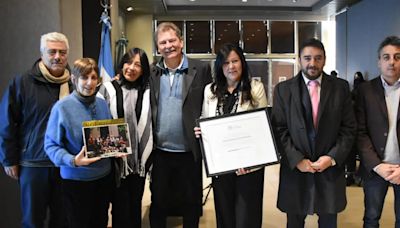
{"type": "Point", "coordinates": [87, 202]}
{"type": "Point", "coordinates": [127, 202]}
{"type": "Point", "coordinates": [176, 188]}
{"type": "Point", "coordinates": [239, 200]}
{"type": "Point", "coordinates": [324, 220]}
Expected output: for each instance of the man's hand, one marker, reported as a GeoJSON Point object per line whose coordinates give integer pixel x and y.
{"type": "Point", "coordinates": [12, 171]}
{"type": "Point", "coordinates": [305, 166]}
{"type": "Point", "coordinates": [81, 160]}
{"type": "Point", "coordinates": [322, 163]}
{"type": "Point", "coordinates": [394, 178]}
{"type": "Point", "coordinates": [386, 170]}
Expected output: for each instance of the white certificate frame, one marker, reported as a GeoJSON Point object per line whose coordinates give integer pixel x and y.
{"type": "Point", "coordinates": [239, 140]}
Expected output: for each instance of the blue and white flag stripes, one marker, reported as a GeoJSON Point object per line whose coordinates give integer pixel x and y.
{"type": "Point", "coordinates": [105, 58]}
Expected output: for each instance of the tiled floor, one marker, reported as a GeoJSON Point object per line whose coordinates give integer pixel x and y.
{"type": "Point", "coordinates": [351, 217]}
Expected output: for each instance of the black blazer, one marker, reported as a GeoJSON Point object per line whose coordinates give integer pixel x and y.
{"type": "Point", "coordinates": [194, 81]}
{"type": "Point", "coordinates": [373, 124]}
{"type": "Point", "coordinates": [324, 192]}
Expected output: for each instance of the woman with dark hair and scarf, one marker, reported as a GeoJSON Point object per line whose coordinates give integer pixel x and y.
{"type": "Point", "coordinates": [87, 183]}
{"type": "Point", "coordinates": [238, 196]}
{"type": "Point", "coordinates": [129, 97]}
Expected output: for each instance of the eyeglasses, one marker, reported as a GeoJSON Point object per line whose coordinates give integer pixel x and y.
{"type": "Point", "coordinates": [53, 52]}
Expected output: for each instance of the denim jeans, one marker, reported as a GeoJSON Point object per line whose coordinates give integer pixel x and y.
{"type": "Point", "coordinates": [375, 189]}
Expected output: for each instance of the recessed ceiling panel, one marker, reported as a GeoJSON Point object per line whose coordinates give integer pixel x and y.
{"type": "Point", "coordinates": [262, 3]}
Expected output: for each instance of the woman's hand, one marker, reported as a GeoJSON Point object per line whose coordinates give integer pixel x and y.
{"type": "Point", "coordinates": [242, 171]}
{"type": "Point", "coordinates": [121, 155]}
{"type": "Point", "coordinates": [197, 132]}
{"type": "Point", "coordinates": [81, 160]}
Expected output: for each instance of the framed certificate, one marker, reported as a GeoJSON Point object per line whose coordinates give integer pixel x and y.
{"type": "Point", "coordinates": [239, 140]}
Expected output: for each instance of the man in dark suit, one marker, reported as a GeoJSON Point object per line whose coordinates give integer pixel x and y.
{"type": "Point", "coordinates": [314, 126]}
{"type": "Point", "coordinates": [377, 109]}
{"type": "Point", "coordinates": [176, 84]}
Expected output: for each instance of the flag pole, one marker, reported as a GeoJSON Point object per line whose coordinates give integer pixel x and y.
{"type": "Point", "coordinates": [105, 57]}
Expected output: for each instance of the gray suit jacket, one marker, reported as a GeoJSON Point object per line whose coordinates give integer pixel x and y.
{"type": "Point", "coordinates": [324, 192]}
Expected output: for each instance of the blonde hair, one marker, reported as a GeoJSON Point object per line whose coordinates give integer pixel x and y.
{"type": "Point", "coordinates": [165, 26]}
{"type": "Point", "coordinates": [52, 37]}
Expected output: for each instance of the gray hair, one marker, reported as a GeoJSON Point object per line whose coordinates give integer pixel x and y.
{"type": "Point", "coordinates": [52, 37]}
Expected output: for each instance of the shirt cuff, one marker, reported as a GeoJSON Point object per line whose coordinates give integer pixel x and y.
{"type": "Point", "coordinates": [333, 162]}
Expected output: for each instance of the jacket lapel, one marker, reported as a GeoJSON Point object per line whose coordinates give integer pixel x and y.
{"type": "Point", "coordinates": [326, 90]}
{"type": "Point", "coordinates": [298, 102]}
{"type": "Point", "coordinates": [244, 106]}
{"type": "Point", "coordinates": [298, 98]}
{"type": "Point", "coordinates": [155, 90]}
{"type": "Point", "coordinates": [380, 92]}
{"type": "Point", "coordinates": [187, 80]}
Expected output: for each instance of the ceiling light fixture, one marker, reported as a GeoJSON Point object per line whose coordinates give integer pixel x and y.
{"type": "Point", "coordinates": [129, 8]}
{"type": "Point", "coordinates": [244, 0]}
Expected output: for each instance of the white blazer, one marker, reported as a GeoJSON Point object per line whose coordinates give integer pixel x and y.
{"type": "Point", "coordinates": [257, 92]}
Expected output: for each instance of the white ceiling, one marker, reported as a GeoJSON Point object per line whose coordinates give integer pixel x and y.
{"type": "Point", "coordinates": [216, 9]}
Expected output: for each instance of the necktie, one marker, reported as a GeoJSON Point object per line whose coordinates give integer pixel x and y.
{"type": "Point", "coordinates": [313, 84]}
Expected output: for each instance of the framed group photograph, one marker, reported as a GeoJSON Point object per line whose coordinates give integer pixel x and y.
{"type": "Point", "coordinates": [106, 138]}
{"type": "Point", "coordinates": [239, 140]}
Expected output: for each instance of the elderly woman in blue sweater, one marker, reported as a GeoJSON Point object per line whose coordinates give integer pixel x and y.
{"type": "Point", "coordinates": [87, 182]}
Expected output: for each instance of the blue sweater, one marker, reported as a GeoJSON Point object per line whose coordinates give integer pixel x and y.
{"type": "Point", "coordinates": [64, 138]}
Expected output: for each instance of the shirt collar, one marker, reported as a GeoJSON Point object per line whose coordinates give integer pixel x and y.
{"type": "Point", "coordinates": [184, 65]}
{"type": "Point", "coordinates": [386, 85]}
{"type": "Point", "coordinates": [306, 80]}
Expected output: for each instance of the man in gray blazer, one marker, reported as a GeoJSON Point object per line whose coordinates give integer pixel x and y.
{"type": "Point", "coordinates": [377, 109]}
{"type": "Point", "coordinates": [176, 84]}
{"type": "Point", "coordinates": [314, 126]}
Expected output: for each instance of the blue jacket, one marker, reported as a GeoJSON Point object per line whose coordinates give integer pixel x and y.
{"type": "Point", "coordinates": [24, 110]}
{"type": "Point", "coordinates": [64, 137]}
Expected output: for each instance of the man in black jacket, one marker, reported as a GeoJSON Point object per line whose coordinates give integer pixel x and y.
{"type": "Point", "coordinates": [24, 111]}
{"type": "Point", "coordinates": [377, 105]}
{"type": "Point", "coordinates": [314, 126]}
{"type": "Point", "coordinates": [176, 84]}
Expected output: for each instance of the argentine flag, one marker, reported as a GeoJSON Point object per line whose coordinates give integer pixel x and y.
{"type": "Point", "coordinates": [105, 58]}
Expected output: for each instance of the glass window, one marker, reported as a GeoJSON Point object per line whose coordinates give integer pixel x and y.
{"type": "Point", "coordinates": [282, 37]}
{"type": "Point", "coordinates": [308, 30]}
{"type": "Point", "coordinates": [258, 68]}
{"type": "Point", "coordinates": [255, 36]}
{"type": "Point", "coordinates": [282, 70]}
{"type": "Point", "coordinates": [226, 32]}
{"type": "Point", "coordinates": [198, 37]}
